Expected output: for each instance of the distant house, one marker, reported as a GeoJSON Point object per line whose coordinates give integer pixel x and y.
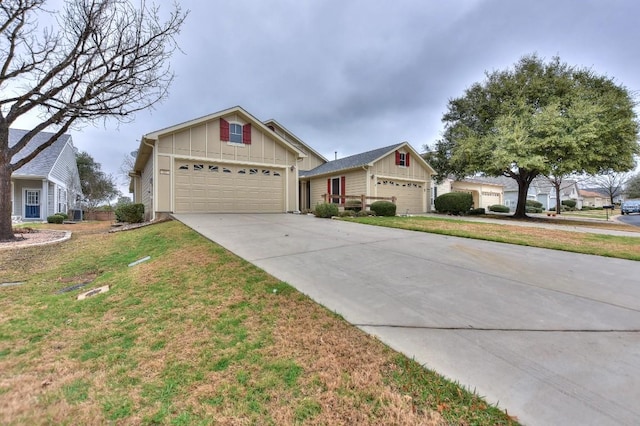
{"type": "Point", "coordinates": [49, 183]}
{"type": "Point", "coordinates": [540, 189]}
{"type": "Point", "coordinates": [593, 198]}
{"type": "Point", "coordinates": [484, 192]}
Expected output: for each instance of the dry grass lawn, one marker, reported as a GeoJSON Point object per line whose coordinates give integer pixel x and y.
{"type": "Point", "coordinates": [193, 336]}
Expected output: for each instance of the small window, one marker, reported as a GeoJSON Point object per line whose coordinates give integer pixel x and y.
{"type": "Point", "coordinates": [235, 132]}
{"type": "Point", "coordinates": [276, 174]}
{"type": "Point", "coordinates": [402, 159]}
{"type": "Point", "coordinates": [253, 171]}
{"type": "Point", "coordinates": [198, 167]}
{"type": "Point", "coordinates": [266, 172]}
{"type": "Point", "coordinates": [242, 172]}
{"type": "Point", "coordinates": [225, 170]}
{"type": "Point", "coordinates": [213, 168]}
{"type": "Point", "coordinates": [183, 167]}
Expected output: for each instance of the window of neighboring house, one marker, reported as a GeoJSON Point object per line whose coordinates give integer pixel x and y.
{"type": "Point", "coordinates": [402, 159]}
{"type": "Point", "coordinates": [62, 200]}
{"type": "Point", "coordinates": [235, 132]}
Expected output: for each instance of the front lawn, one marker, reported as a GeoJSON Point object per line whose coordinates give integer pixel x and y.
{"type": "Point", "coordinates": [578, 242]}
{"type": "Point", "coordinates": [194, 335]}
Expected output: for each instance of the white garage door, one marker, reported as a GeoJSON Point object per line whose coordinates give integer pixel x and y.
{"type": "Point", "coordinates": [222, 188]}
{"type": "Point", "coordinates": [410, 195]}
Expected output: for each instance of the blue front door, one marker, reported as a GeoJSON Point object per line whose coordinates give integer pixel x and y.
{"type": "Point", "coordinates": [32, 204]}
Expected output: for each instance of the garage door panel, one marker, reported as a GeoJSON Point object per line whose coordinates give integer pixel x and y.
{"type": "Point", "coordinates": [410, 195]}
{"type": "Point", "coordinates": [219, 188]}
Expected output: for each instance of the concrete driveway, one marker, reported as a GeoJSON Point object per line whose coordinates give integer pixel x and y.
{"type": "Point", "coordinates": [553, 337]}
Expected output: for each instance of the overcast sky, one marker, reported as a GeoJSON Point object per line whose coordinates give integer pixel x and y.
{"type": "Point", "coordinates": [351, 76]}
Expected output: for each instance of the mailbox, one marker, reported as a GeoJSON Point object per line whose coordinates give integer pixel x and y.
{"type": "Point", "coordinates": [610, 207]}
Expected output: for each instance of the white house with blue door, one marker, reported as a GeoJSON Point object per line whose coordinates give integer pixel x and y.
{"type": "Point", "coordinates": [49, 183]}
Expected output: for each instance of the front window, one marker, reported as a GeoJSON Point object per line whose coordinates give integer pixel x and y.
{"type": "Point", "coordinates": [235, 132]}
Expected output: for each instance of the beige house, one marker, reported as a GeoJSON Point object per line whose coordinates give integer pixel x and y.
{"type": "Point", "coordinates": [226, 162]}
{"type": "Point", "coordinates": [593, 199]}
{"type": "Point", "coordinates": [393, 171]}
{"type": "Point", "coordinates": [484, 193]}
{"type": "Point", "coordinates": [231, 162]}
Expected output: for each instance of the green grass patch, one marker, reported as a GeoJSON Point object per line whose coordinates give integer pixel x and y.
{"type": "Point", "coordinates": [556, 239]}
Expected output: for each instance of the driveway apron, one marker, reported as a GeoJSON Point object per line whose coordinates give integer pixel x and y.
{"type": "Point", "coordinates": [553, 337]}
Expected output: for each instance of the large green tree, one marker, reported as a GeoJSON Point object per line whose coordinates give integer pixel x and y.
{"type": "Point", "coordinates": [99, 59]}
{"type": "Point", "coordinates": [538, 118]}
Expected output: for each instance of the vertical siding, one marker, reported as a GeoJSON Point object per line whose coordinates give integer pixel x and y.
{"type": "Point", "coordinates": [147, 189]}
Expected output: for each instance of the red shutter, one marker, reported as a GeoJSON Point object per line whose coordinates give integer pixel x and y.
{"type": "Point", "coordinates": [246, 134]}
{"type": "Point", "coordinates": [224, 130]}
{"type": "Point", "coordinates": [406, 159]}
{"type": "Point", "coordinates": [343, 188]}
{"type": "Point", "coordinates": [397, 158]}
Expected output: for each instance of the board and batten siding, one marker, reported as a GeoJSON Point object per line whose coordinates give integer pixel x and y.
{"type": "Point", "coordinates": [355, 184]}
{"type": "Point", "coordinates": [146, 184]}
{"type": "Point", "coordinates": [386, 166]}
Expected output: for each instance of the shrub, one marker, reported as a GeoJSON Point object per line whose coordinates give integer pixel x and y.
{"type": "Point", "coordinates": [326, 210]}
{"type": "Point", "coordinates": [499, 208]}
{"type": "Point", "coordinates": [56, 218]}
{"type": "Point", "coordinates": [354, 205]}
{"type": "Point", "coordinates": [533, 203]}
{"type": "Point", "coordinates": [64, 215]}
{"type": "Point", "coordinates": [383, 208]}
{"type": "Point", "coordinates": [569, 203]}
{"type": "Point", "coordinates": [365, 213]}
{"type": "Point", "coordinates": [130, 213]}
{"type": "Point", "coordinates": [531, 209]}
{"type": "Point", "coordinates": [454, 203]}
{"type": "Point", "coordinates": [477, 211]}
{"type": "Point", "coordinates": [347, 213]}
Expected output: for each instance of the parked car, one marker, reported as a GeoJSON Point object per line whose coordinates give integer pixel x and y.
{"type": "Point", "coordinates": [630, 206]}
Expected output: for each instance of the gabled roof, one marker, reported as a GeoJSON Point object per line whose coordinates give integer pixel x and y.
{"type": "Point", "coordinates": [144, 150]}
{"type": "Point", "coordinates": [592, 193]}
{"type": "Point", "coordinates": [42, 164]}
{"type": "Point", "coordinates": [297, 141]}
{"type": "Point", "coordinates": [354, 161]}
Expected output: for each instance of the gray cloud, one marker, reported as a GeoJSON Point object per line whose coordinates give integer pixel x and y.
{"type": "Point", "coordinates": [357, 75]}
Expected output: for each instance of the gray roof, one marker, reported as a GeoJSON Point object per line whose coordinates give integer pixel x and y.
{"type": "Point", "coordinates": [42, 164]}
{"type": "Point", "coordinates": [351, 162]}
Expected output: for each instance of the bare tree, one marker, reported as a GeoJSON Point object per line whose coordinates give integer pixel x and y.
{"type": "Point", "coordinates": [610, 183]}
{"type": "Point", "coordinates": [105, 59]}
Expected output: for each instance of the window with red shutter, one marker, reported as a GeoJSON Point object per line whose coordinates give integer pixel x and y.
{"type": "Point", "coordinates": [224, 130]}
{"type": "Point", "coordinates": [397, 158]}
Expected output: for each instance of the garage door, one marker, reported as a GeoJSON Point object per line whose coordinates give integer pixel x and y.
{"type": "Point", "coordinates": [224, 188]}
{"type": "Point", "coordinates": [410, 195]}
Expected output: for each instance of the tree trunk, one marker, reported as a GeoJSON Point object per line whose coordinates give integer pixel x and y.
{"type": "Point", "coordinates": [558, 201]}
{"type": "Point", "coordinates": [6, 229]}
{"type": "Point", "coordinates": [521, 207]}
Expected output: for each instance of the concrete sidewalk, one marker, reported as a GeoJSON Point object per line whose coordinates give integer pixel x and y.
{"type": "Point", "coordinates": [553, 337]}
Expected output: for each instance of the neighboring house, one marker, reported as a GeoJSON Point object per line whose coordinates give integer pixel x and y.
{"type": "Point", "coordinates": [593, 198]}
{"type": "Point", "coordinates": [392, 171]}
{"type": "Point", "coordinates": [542, 190]}
{"type": "Point", "coordinates": [49, 183]}
{"type": "Point", "coordinates": [605, 194]}
{"type": "Point", "coordinates": [484, 192]}
{"type": "Point", "coordinates": [231, 162]}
